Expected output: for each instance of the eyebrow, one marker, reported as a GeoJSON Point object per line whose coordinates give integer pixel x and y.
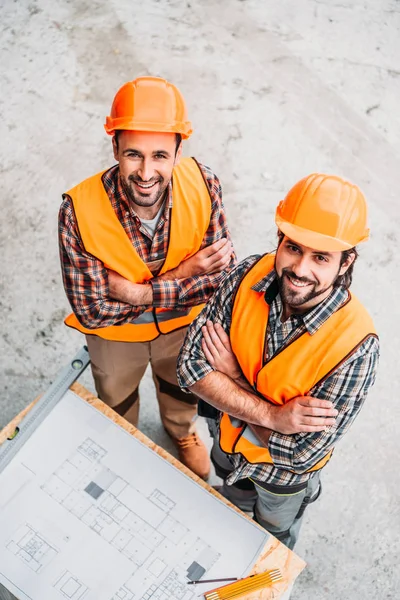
{"type": "Point", "coordinates": [315, 252]}
{"type": "Point", "coordinates": [328, 254]}
{"type": "Point", "coordinates": [141, 154]}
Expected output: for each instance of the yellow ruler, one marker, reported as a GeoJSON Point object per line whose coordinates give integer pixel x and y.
{"type": "Point", "coordinates": [244, 586]}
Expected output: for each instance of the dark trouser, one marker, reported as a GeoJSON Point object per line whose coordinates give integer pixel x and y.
{"type": "Point", "coordinates": [279, 511]}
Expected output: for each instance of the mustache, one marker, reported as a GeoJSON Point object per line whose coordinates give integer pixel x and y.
{"type": "Point", "coordinates": [290, 273]}
{"type": "Point", "coordinates": [136, 179]}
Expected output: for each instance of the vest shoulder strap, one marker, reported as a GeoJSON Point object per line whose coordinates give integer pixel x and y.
{"type": "Point", "coordinates": [263, 265]}
{"type": "Point", "coordinates": [191, 212]}
{"type": "Point", "coordinates": [250, 314]}
{"type": "Point", "coordinates": [104, 237]}
{"type": "Point", "coordinates": [102, 233]}
{"type": "Point", "coordinates": [309, 359]}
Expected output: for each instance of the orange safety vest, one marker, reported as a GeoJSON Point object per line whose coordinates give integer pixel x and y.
{"type": "Point", "coordinates": [293, 371]}
{"type": "Point", "coordinates": [104, 237]}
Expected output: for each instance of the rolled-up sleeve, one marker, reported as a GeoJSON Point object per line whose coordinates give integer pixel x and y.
{"type": "Point", "coordinates": [347, 389]}
{"type": "Point", "coordinates": [85, 279]}
{"type": "Point", "coordinates": [192, 364]}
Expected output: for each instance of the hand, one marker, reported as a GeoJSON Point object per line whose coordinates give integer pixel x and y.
{"type": "Point", "coordinates": [218, 351]}
{"type": "Point", "coordinates": [212, 259]}
{"type": "Point", "coordinates": [302, 414]}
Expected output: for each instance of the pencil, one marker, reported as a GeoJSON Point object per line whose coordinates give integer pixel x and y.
{"type": "Point", "coordinates": [212, 580]}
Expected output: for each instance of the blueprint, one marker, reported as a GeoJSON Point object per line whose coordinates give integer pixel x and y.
{"type": "Point", "coordinates": [87, 512]}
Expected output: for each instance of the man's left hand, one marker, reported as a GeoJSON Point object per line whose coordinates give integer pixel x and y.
{"type": "Point", "coordinates": [218, 351]}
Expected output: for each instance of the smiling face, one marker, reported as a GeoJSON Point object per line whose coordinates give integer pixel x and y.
{"type": "Point", "coordinates": [306, 276]}
{"type": "Point", "coordinates": [146, 161]}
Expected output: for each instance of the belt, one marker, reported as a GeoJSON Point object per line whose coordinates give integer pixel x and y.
{"type": "Point", "coordinates": [281, 490]}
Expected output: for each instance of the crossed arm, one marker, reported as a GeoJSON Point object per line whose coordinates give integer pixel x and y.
{"type": "Point", "coordinates": [227, 389]}
{"type": "Point", "coordinates": [102, 298]}
{"type": "Point", "coordinates": [302, 431]}
{"type": "Point", "coordinates": [210, 260]}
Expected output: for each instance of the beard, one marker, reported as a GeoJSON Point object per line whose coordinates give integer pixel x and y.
{"type": "Point", "coordinates": [296, 298]}
{"type": "Point", "coordinates": [145, 198]}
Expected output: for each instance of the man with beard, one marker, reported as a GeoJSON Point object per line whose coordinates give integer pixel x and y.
{"type": "Point", "coordinates": [143, 245]}
{"type": "Point", "coordinates": [286, 355]}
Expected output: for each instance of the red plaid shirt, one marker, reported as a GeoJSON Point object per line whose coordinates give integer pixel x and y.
{"type": "Point", "coordinates": [85, 277]}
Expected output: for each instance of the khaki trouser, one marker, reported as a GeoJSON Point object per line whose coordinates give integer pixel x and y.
{"type": "Point", "coordinates": [118, 367]}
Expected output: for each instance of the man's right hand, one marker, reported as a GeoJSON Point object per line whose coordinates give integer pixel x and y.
{"type": "Point", "coordinates": [302, 414]}
{"type": "Point", "coordinates": [212, 259]}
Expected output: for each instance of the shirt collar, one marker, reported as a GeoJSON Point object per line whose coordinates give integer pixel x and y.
{"type": "Point", "coordinates": [316, 316]}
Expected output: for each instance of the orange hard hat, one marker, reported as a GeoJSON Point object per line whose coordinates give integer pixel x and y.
{"type": "Point", "coordinates": [149, 104]}
{"type": "Point", "coordinates": [324, 212]}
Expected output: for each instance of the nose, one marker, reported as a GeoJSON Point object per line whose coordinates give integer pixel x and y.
{"type": "Point", "coordinates": [301, 268]}
{"type": "Point", "coordinates": [146, 170]}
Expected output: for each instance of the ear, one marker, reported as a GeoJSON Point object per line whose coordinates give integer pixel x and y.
{"type": "Point", "coordinates": [178, 155]}
{"type": "Point", "coordinates": [115, 149]}
{"type": "Point", "coordinates": [347, 263]}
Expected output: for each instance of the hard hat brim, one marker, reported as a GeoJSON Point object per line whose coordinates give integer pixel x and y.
{"type": "Point", "coordinates": [111, 125]}
{"type": "Point", "coordinates": [313, 239]}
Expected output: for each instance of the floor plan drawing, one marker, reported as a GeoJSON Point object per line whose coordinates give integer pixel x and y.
{"type": "Point", "coordinates": [139, 527]}
{"type": "Point", "coordinates": [31, 548]}
{"type": "Point", "coordinates": [70, 587]}
{"type": "Point", "coordinates": [89, 512]}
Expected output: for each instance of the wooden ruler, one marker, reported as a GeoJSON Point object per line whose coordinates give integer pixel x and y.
{"type": "Point", "coordinates": [244, 586]}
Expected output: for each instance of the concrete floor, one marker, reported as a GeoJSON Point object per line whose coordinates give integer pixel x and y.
{"type": "Point", "coordinates": [275, 90]}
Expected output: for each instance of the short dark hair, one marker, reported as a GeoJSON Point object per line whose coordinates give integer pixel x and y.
{"type": "Point", "coordinates": [178, 136]}
{"type": "Point", "coordinates": [342, 280]}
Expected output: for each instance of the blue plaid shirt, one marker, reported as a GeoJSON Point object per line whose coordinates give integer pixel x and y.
{"type": "Point", "coordinates": [346, 387]}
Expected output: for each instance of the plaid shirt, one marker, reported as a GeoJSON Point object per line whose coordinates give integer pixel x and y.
{"type": "Point", "coordinates": [85, 277]}
{"type": "Point", "coordinates": [346, 387]}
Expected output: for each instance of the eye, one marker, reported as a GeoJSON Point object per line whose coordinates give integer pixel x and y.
{"type": "Point", "coordinates": [321, 258]}
{"type": "Point", "coordinates": [133, 154]}
{"type": "Point", "coordinates": [159, 156]}
{"type": "Point", "coordinates": [292, 248]}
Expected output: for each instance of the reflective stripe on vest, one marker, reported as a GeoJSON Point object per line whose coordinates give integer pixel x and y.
{"type": "Point", "coordinates": [104, 237]}
{"type": "Point", "coordinates": [168, 315]}
{"type": "Point", "coordinates": [295, 370]}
